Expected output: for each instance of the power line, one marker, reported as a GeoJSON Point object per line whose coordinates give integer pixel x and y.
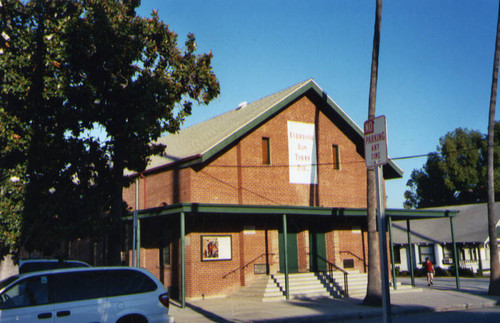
{"type": "Point", "coordinates": [343, 163]}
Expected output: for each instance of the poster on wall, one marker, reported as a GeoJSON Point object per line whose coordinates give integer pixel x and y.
{"type": "Point", "coordinates": [215, 248]}
{"type": "Point", "coordinates": [302, 153]}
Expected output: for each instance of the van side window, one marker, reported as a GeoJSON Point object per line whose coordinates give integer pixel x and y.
{"type": "Point", "coordinates": [124, 282]}
{"type": "Point", "coordinates": [28, 292]}
{"type": "Point", "coordinates": [76, 286]}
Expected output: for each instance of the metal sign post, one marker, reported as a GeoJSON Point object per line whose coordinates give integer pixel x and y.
{"type": "Point", "coordinates": [382, 238]}
{"type": "Point", "coordinates": [375, 131]}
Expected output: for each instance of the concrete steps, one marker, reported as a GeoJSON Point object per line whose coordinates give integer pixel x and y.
{"type": "Point", "coordinates": [310, 285]}
{"type": "Point", "coordinates": [301, 285]}
{"type": "Point", "coordinates": [264, 289]}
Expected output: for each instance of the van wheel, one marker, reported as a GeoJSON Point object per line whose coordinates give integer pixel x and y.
{"type": "Point", "coordinates": [135, 318]}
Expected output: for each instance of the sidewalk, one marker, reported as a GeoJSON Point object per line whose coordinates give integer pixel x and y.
{"type": "Point", "coordinates": [232, 309]}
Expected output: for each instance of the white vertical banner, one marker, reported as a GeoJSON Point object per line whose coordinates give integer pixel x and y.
{"type": "Point", "coordinates": [302, 153]}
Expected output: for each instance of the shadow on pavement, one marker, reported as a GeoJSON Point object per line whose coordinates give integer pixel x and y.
{"type": "Point", "coordinates": [347, 313]}
{"type": "Point", "coordinates": [424, 300]}
{"type": "Point", "coordinates": [203, 312]}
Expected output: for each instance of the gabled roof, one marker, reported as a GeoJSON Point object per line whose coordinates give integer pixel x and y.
{"type": "Point", "coordinates": [200, 142]}
{"type": "Point", "coordinates": [470, 225]}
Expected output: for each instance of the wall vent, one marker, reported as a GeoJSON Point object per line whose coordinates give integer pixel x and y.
{"type": "Point", "coordinates": [242, 105]}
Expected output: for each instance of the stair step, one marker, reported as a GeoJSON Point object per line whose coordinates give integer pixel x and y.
{"type": "Point", "coordinates": [304, 285]}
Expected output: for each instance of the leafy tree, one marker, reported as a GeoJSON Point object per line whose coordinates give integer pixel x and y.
{"type": "Point", "coordinates": [456, 173]}
{"type": "Point", "coordinates": [129, 77]}
{"type": "Point", "coordinates": [13, 144]}
{"type": "Point", "coordinates": [85, 65]}
{"type": "Point", "coordinates": [54, 166]}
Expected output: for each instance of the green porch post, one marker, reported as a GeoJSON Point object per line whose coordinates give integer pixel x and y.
{"type": "Point", "coordinates": [134, 224]}
{"type": "Point", "coordinates": [480, 259]}
{"type": "Point", "coordinates": [138, 258]}
{"type": "Point", "coordinates": [410, 248]}
{"type": "Point", "coordinates": [455, 254]}
{"type": "Point", "coordinates": [392, 255]}
{"type": "Point", "coordinates": [183, 261]}
{"type": "Point", "coordinates": [285, 247]}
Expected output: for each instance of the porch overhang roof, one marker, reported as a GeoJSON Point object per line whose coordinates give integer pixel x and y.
{"type": "Point", "coordinates": [208, 208]}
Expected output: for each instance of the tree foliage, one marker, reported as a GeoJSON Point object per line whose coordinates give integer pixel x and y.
{"type": "Point", "coordinates": [56, 168]}
{"type": "Point", "coordinates": [70, 67]}
{"type": "Point", "coordinates": [13, 144]}
{"type": "Point", "coordinates": [456, 173]}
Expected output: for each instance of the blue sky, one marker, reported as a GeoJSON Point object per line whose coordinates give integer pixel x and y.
{"type": "Point", "coordinates": [435, 64]}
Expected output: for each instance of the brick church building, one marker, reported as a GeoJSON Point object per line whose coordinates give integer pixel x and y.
{"type": "Point", "coordinates": [214, 207]}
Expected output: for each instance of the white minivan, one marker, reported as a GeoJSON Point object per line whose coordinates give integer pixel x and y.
{"type": "Point", "coordinates": [93, 294]}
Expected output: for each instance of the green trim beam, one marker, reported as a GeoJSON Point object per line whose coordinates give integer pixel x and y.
{"type": "Point", "coordinates": [279, 210]}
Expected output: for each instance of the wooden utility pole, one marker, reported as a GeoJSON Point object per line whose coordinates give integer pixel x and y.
{"type": "Point", "coordinates": [374, 287]}
{"type": "Point", "coordinates": [494, 288]}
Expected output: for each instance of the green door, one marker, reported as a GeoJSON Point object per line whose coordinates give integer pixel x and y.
{"type": "Point", "coordinates": [317, 251]}
{"type": "Point", "coordinates": [293, 259]}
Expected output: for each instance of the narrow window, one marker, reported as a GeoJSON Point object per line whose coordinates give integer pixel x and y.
{"type": "Point", "coordinates": [165, 256]}
{"type": "Point", "coordinates": [336, 157]}
{"type": "Point", "coordinates": [266, 151]}
{"type": "Point", "coordinates": [447, 255]}
{"type": "Point", "coordinates": [397, 254]}
{"type": "Point", "coordinates": [426, 251]}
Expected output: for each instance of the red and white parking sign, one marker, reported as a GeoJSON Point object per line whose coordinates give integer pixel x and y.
{"type": "Point", "coordinates": [375, 141]}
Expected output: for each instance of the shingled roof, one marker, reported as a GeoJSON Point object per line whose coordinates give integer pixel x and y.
{"type": "Point", "coordinates": [198, 143]}
{"type": "Point", "coordinates": [470, 226]}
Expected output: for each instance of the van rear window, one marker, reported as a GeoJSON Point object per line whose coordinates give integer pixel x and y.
{"type": "Point", "coordinates": [123, 282]}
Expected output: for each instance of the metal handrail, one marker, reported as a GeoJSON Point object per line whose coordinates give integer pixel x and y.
{"type": "Point", "coordinates": [331, 267]}
{"type": "Point", "coordinates": [352, 254]}
{"type": "Point", "coordinates": [247, 264]}
{"type": "Point", "coordinates": [330, 272]}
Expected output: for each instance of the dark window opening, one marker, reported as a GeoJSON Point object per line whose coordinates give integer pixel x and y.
{"type": "Point", "coordinates": [426, 251]}
{"type": "Point", "coordinates": [266, 151]}
{"type": "Point", "coordinates": [397, 254]}
{"type": "Point", "coordinates": [336, 157]}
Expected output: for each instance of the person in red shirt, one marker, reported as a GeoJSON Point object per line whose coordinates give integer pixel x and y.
{"type": "Point", "coordinates": [430, 271]}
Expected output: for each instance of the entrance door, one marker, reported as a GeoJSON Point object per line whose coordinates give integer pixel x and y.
{"type": "Point", "coordinates": [293, 259]}
{"type": "Point", "coordinates": [317, 251]}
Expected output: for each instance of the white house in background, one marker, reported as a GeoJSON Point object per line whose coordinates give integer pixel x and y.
{"type": "Point", "coordinates": [432, 238]}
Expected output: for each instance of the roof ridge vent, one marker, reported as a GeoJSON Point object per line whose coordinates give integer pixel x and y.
{"type": "Point", "coordinates": [242, 105]}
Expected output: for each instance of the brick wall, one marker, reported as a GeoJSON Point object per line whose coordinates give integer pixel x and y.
{"type": "Point", "coordinates": [250, 247]}
{"type": "Point", "coordinates": [238, 176]}
{"type": "Point", "coordinates": [353, 244]}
